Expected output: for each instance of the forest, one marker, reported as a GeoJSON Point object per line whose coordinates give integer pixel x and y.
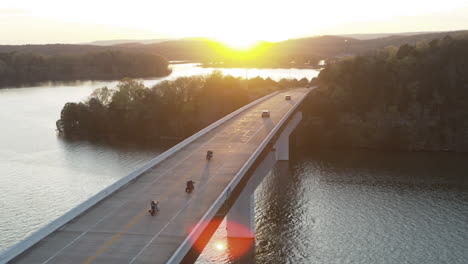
{"type": "Point", "coordinates": [18, 69]}
{"type": "Point", "coordinates": [175, 109]}
{"type": "Point", "coordinates": [414, 97]}
{"type": "Point", "coordinates": [291, 53]}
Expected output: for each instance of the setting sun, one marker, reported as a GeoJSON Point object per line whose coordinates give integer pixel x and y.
{"type": "Point", "coordinates": [240, 43]}
{"type": "Point", "coordinates": [92, 92]}
{"type": "Point", "coordinates": [246, 22]}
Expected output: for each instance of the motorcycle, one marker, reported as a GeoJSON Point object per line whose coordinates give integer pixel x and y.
{"type": "Point", "coordinates": [154, 208]}
{"type": "Point", "coordinates": [209, 154]}
{"type": "Point", "coordinates": [152, 211]}
{"type": "Point", "coordinates": [189, 188]}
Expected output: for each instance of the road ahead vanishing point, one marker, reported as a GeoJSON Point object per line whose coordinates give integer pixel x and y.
{"type": "Point", "coordinates": [119, 229]}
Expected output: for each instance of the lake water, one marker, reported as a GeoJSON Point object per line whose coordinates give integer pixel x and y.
{"type": "Point", "coordinates": [360, 207]}
{"type": "Point", "coordinates": [322, 207]}
{"type": "Point", "coordinates": [42, 176]}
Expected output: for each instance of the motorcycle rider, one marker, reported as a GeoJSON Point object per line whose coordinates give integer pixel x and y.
{"type": "Point", "coordinates": [154, 206]}
{"type": "Point", "coordinates": [190, 185]}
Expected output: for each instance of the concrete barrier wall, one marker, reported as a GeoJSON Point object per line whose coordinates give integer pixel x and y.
{"type": "Point", "coordinates": [182, 250]}
{"type": "Point", "coordinates": [37, 236]}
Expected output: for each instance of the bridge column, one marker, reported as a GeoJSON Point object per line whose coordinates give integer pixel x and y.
{"type": "Point", "coordinates": [282, 144]}
{"type": "Point", "coordinates": [241, 217]}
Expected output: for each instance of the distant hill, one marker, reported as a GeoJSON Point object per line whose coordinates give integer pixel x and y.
{"type": "Point", "coordinates": [52, 49]}
{"type": "Point", "coordinates": [125, 41]}
{"type": "Point", "coordinates": [200, 49]}
{"type": "Point", "coordinates": [368, 36]}
{"type": "Point", "coordinates": [331, 46]}
{"type": "Point", "coordinates": [398, 40]}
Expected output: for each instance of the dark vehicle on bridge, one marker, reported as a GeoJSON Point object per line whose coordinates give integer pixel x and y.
{"type": "Point", "coordinates": [154, 208]}
{"type": "Point", "coordinates": [209, 154]}
{"type": "Point", "coordinates": [190, 186]}
{"type": "Point", "coordinates": [265, 113]}
{"type": "Point", "coordinates": [287, 98]}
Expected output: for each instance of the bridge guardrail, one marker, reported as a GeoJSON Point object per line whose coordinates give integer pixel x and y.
{"type": "Point", "coordinates": [200, 226]}
{"type": "Point", "coordinates": [43, 232]}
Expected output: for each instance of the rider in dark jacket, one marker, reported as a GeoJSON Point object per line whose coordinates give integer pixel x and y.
{"type": "Point", "coordinates": [154, 206]}
{"type": "Point", "coordinates": [190, 184]}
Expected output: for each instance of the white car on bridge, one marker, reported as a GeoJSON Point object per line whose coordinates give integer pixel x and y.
{"type": "Point", "coordinates": [265, 113]}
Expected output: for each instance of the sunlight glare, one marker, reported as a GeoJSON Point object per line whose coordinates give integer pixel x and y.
{"type": "Point", "coordinates": [239, 43]}
{"type": "Point", "coordinates": [220, 246]}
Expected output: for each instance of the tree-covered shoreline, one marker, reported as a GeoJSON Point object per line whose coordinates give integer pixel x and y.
{"type": "Point", "coordinates": [408, 98]}
{"type": "Point", "coordinates": [19, 69]}
{"type": "Point", "coordinates": [175, 109]}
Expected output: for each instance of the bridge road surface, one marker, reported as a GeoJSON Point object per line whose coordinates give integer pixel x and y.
{"type": "Point", "coordinates": [119, 228]}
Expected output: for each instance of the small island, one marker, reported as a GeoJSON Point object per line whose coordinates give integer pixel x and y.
{"type": "Point", "coordinates": [175, 109]}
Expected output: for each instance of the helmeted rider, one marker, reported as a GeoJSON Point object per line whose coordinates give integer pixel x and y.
{"type": "Point", "coordinates": [190, 184]}
{"type": "Point", "coordinates": [154, 206]}
{"type": "Point", "coordinates": [209, 154]}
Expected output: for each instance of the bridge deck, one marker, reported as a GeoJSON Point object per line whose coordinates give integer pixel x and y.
{"type": "Point", "coordinates": [120, 230]}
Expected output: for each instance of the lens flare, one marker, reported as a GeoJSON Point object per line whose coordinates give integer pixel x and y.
{"type": "Point", "coordinates": [220, 246]}
{"type": "Point", "coordinates": [233, 248]}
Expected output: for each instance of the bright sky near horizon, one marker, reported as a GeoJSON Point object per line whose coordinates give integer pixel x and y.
{"type": "Point", "coordinates": [53, 21]}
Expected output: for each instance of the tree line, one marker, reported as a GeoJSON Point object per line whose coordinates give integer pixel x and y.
{"type": "Point", "coordinates": [296, 53]}
{"type": "Point", "coordinates": [176, 109]}
{"type": "Point", "coordinates": [27, 68]}
{"type": "Point", "coordinates": [412, 97]}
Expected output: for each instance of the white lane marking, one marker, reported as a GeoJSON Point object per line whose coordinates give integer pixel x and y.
{"type": "Point", "coordinates": [177, 214]}
{"type": "Point", "coordinates": [185, 206]}
{"type": "Point", "coordinates": [78, 237]}
{"type": "Point", "coordinates": [171, 259]}
{"type": "Point", "coordinates": [146, 187]}
{"type": "Point", "coordinates": [256, 132]}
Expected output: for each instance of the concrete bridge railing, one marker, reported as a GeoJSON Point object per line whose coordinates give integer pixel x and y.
{"type": "Point", "coordinates": [186, 245]}
{"type": "Point", "coordinates": [40, 234]}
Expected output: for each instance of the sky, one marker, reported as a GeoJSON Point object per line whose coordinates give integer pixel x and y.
{"type": "Point", "coordinates": [231, 21]}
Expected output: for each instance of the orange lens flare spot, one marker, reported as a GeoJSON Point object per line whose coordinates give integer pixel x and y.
{"type": "Point", "coordinates": [233, 248]}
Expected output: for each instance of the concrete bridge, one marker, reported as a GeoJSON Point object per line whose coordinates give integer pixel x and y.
{"type": "Point", "coordinates": [114, 225]}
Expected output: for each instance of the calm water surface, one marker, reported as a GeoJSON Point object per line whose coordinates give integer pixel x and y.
{"type": "Point", "coordinates": [360, 207]}
{"type": "Point", "coordinates": [43, 176]}
{"type": "Point", "coordinates": [325, 207]}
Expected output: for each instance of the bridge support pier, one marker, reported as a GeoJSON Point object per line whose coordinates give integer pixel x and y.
{"type": "Point", "coordinates": [241, 217]}
{"type": "Point", "coordinates": [282, 144]}
{"type": "Point", "coordinates": [240, 220]}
